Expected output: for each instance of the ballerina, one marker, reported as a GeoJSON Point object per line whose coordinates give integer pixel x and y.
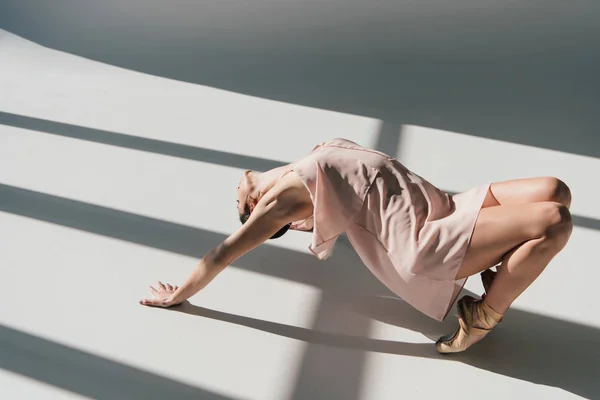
{"type": "Point", "coordinates": [419, 241]}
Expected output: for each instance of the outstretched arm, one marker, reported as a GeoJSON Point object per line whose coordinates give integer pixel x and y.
{"type": "Point", "coordinates": [271, 213]}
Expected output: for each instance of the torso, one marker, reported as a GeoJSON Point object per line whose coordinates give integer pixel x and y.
{"type": "Point", "coordinates": [338, 149]}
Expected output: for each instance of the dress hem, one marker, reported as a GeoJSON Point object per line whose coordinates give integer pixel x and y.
{"type": "Point", "coordinates": [457, 291]}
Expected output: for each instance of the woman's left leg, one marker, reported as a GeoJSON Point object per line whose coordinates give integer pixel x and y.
{"type": "Point", "coordinates": [528, 190]}
{"type": "Point", "coordinates": [522, 191]}
{"type": "Point", "coordinates": [525, 238]}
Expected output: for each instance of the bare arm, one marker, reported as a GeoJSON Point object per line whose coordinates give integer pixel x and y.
{"type": "Point", "coordinates": [277, 208]}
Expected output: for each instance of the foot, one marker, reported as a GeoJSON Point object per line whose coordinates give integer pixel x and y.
{"type": "Point", "coordinates": [476, 319]}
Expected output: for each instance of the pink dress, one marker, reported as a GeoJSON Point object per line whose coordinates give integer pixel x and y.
{"type": "Point", "coordinates": [410, 234]}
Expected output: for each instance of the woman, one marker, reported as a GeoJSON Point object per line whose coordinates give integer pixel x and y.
{"type": "Point", "coordinates": [421, 242]}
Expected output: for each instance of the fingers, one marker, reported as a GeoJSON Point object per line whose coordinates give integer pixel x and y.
{"type": "Point", "coordinates": [164, 287]}
{"type": "Point", "coordinates": [159, 295]}
{"type": "Point", "coordinates": [153, 302]}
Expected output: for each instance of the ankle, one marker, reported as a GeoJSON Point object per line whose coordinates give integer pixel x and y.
{"type": "Point", "coordinates": [484, 316]}
{"type": "Point", "coordinates": [493, 307]}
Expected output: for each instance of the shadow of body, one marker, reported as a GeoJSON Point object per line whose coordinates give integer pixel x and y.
{"type": "Point", "coordinates": [526, 346]}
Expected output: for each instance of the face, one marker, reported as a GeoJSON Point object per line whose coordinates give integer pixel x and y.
{"type": "Point", "coordinates": [244, 191]}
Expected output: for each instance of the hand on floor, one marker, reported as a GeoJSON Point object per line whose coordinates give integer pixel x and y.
{"type": "Point", "coordinates": [162, 297]}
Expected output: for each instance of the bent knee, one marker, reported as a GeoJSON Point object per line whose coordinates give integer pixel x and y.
{"type": "Point", "coordinates": [553, 221]}
{"type": "Point", "coordinates": [557, 191]}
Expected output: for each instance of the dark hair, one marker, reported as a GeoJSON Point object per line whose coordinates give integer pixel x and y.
{"type": "Point", "coordinates": [246, 215]}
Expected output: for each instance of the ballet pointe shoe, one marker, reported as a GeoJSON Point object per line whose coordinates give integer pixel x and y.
{"type": "Point", "coordinates": [476, 319]}
{"type": "Point", "coordinates": [487, 278]}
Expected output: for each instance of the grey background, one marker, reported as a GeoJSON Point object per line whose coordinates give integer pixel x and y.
{"type": "Point", "coordinates": [519, 71]}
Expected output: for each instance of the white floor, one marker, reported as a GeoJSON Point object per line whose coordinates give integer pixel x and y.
{"type": "Point", "coordinates": [111, 180]}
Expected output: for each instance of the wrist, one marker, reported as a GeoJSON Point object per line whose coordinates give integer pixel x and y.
{"type": "Point", "coordinates": [173, 300]}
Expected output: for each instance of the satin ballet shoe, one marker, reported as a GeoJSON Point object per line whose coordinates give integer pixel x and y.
{"type": "Point", "coordinates": [471, 312]}
{"type": "Point", "coordinates": [487, 278]}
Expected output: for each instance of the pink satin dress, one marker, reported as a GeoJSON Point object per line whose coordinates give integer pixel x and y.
{"type": "Point", "coordinates": [410, 234]}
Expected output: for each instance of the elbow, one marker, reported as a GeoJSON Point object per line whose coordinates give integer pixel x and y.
{"type": "Point", "coordinates": [217, 258]}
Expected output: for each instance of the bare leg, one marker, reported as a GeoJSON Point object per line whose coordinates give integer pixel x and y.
{"type": "Point", "coordinates": [521, 191]}
{"type": "Point", "coordinates": [525, 237]}
{"type": "Point", "coordinates": [528, 190]}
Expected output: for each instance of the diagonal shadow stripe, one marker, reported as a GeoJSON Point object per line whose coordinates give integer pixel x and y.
{"type": "Point", "coordinates": [186, 240]}
{"type": "Point", "coordinates": [342, 274]}
{"type": "Point", "coordinates": [519, 349]}
{"type": "Point", "coordinates": [138, 143]}
{"type": "Point", "coordinates": [87, 374]}
{"type": "Point", "coordinates": [387, 144]}
{"type": "Point", "coordinates": [586, 222]}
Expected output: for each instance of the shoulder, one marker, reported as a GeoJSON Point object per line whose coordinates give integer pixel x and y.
{"type": "Point", "coordinates": [289, 196]}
